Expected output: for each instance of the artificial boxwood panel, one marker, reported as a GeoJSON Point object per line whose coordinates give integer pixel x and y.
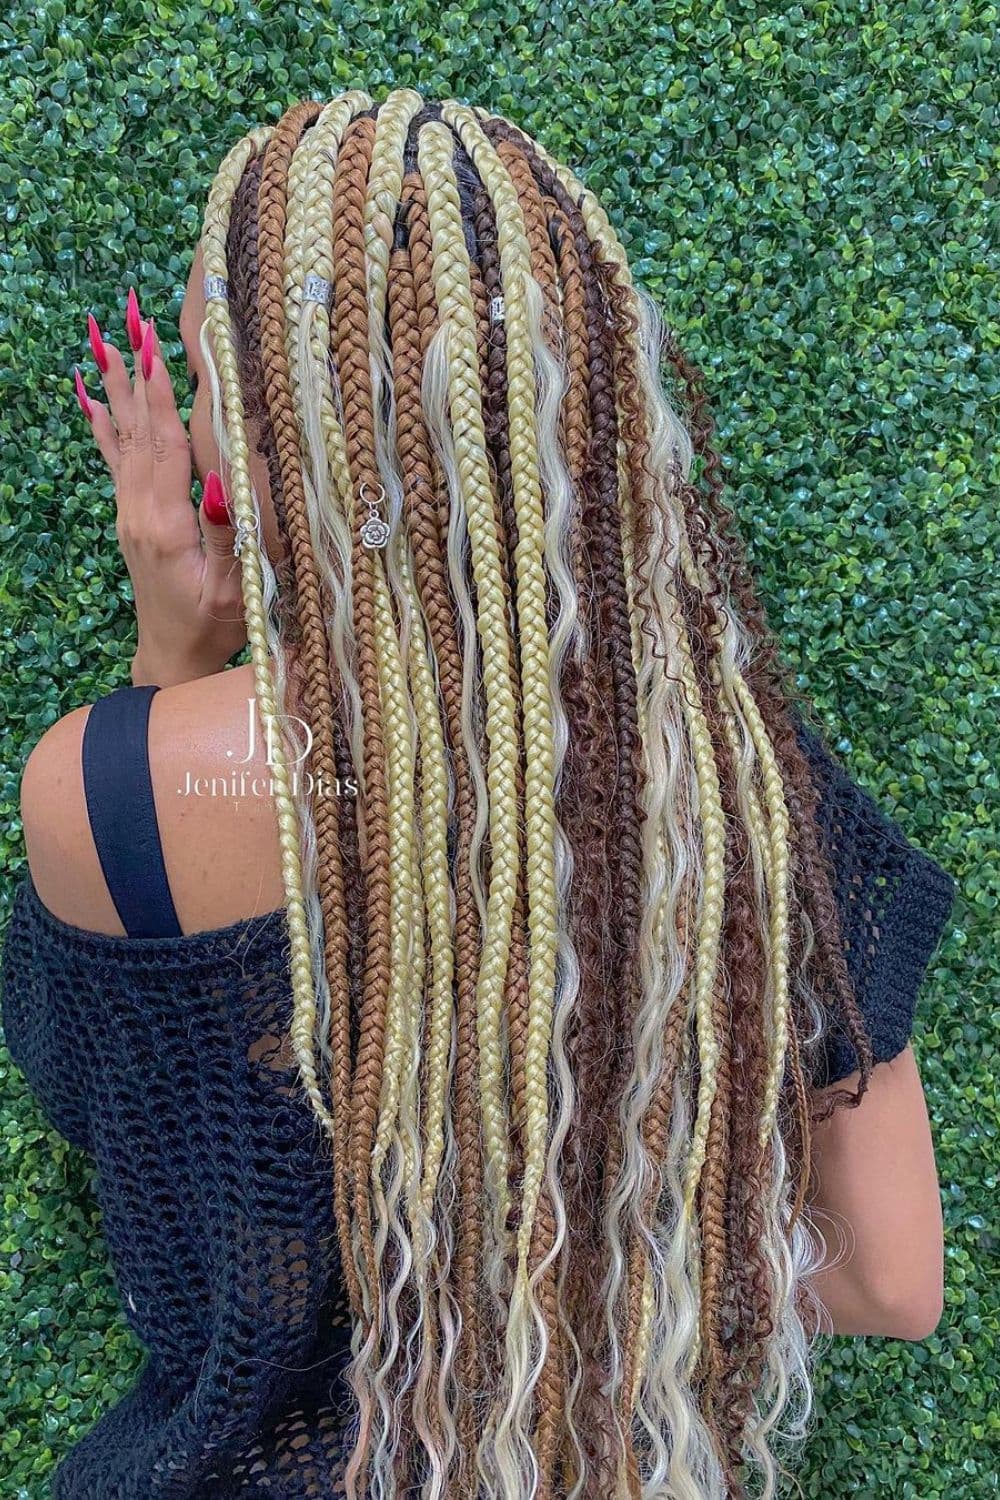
{"type": "Point", "coordinates": [811, 195]}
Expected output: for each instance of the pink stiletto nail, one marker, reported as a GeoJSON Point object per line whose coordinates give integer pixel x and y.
{"type": "Point", "coordinates": [213, 500]}
{"type": "Point", "coordinates": [133, 322]}
{"type": "Point", "coordinates": [97, 343]}
{"type": "Point", "coordinates": [81, 394]}
{"type": "Point", "coordinates": [146, 357]}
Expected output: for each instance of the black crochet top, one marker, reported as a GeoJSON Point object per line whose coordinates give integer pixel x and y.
{"type": "Point", "coordinates": [166, 1059]}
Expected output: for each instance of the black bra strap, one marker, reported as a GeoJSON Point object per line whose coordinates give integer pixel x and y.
{"type": "Point", "coordinates": [122, 812]}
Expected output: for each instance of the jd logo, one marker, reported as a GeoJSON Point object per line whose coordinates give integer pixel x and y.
{"type": "Point", "coordinates": [269, 735]}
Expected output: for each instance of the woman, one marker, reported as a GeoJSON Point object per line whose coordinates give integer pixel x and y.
{"type": "Point", "coordinates": [489, 1007]}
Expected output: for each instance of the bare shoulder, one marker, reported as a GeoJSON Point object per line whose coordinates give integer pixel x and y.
{"type": "Point", "coordinates": [214, 808]}
{"type": "Point", "coordinates": [61, 853]}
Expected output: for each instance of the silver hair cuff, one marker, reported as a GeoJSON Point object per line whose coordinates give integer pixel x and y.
{"type": "Point", "coordinates": [317, 289]}
{"type": "Point", "coordinates": [215, 286]}
{"type": "Point", "coordinates": [497, 309]}
{"type": "Point", "coordinates": [244, 530]}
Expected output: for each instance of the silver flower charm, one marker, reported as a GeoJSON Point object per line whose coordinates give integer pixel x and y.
{"type": "Point", "coordinates": [374, 531]}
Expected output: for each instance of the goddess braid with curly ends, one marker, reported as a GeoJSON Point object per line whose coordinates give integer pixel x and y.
{"type": "Point", "coordinates": [560, 970]}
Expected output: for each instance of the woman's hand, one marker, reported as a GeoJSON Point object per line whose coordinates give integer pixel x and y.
{"type": "Point", "coordinates": [186, 581]}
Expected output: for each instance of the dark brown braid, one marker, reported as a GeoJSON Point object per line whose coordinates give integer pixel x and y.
{"type": "Point", "coordinates": [772, 683]}
{"type": "Point", "coordinates": [411, 335]}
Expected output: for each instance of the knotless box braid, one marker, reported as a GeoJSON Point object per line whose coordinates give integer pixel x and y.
{"type": "Point", "coordinates": [560, 968]}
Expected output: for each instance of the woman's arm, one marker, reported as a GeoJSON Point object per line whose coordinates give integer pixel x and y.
{"type": "Point", "coordinates": [878, 1208]}
{"type": "Point", "coordinates": [185, 579]}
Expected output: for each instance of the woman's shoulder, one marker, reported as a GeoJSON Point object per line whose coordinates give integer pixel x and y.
{"type": "Point", "coordinates": [213, 807]}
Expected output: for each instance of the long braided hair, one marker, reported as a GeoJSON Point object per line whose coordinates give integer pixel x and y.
{"type": "Point", "coordinates": [560, 970]}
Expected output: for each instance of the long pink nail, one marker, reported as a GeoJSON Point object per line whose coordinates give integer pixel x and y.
{"type": "Point", "coordinates": [146, 358]}
{"type": "Point", "coordinates": [213, 500]}
{"type": "Point", "coordinates": [81, 395]}
{"type": "Point", "coordinates": [97, 343]}
{"type": "Point", "coordinates": [133, 322]}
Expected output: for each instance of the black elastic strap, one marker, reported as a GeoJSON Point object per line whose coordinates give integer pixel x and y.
{"type": "Point", "coordinates": [122, 812]}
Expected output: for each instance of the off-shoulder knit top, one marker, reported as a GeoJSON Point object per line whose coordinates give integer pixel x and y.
{"type": "Point", "coordinates": [166, 1059]}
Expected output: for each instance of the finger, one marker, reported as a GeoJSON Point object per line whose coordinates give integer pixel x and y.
{"type": "Point", "coordinates": [165, 511]}
{"type": "Point", "coordinates": [135, 470]}
{"type": "Point", "coordinates": [215, 517]}
{"type": "Point", "coordinates": [114, 375]}
{"type": "Point", "coordinates": [96, 414]}
{"type": "Point", "coordinates": [105, 436]}
{"type": "Point", "coordinates": [168, 435]}
{"type": "Point", "coordinates": [133, 322]}
{"type": "Point", "coordinates": [222, 569]}
{"type": "Point", "coordinates": [130, 461]}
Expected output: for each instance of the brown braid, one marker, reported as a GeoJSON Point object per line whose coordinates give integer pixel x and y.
{"type": "Point", "coordinates": [411, 335]}
{"type": "Point", "coordinates": [543, 262]}
{"type": "Point", "coordinates": [312, 608]}
{"type": "Point", "coordinates": [613, 629]}
{"type": "Point", "coordinates": [469, 1227]}
{"type": "Point", "coordinates": [243, 285]}
{"type": "Point", "coordinates": [351, 301]}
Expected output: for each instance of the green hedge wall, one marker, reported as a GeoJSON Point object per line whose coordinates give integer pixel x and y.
{"type": "Point", "coordinates": [811, 193]}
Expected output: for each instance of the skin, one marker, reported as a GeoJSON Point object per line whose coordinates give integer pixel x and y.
{"type": "Point", "coordinates": [877, 1202]}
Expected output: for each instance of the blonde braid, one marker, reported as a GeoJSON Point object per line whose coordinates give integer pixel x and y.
{"type": "Point", "coordinates": [527, 1321]}
{"type": "Point", "coordinates": [417, 719]}
{"type": "Point", "coordinates": [454, 297]}
{"type": "Point", "coordinates": [381, 196]}
{"type": "Point", "coordinates": [515, 263]}
{"type": "Point", "coordinates": [779, 847]}
{"type": "Point", "coordinates": [213, 241]}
